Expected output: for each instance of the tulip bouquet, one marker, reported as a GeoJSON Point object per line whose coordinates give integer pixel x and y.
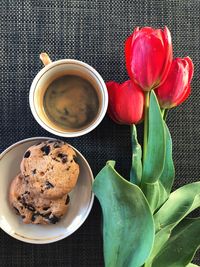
{"type": "Point", "coordinates": [144, 224]}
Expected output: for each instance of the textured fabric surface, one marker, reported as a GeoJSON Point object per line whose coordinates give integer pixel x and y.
{"type": "Point", "coordinates": [92, 31]}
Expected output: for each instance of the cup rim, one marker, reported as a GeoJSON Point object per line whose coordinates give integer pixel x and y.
{"type": "Point", "coordinates": [90, 204]}
{"type": "Point", "coordinates": [65, 133]}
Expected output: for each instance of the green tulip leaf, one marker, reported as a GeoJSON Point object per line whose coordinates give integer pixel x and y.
{"type": "Point", "coordinates": [160, 238]}
{"type": "Point", "coordinates": [182, 245]}
{"type": "Point", "coordinates": [155, 194]}
{"type": "Point", "coordinates": [168, 174]}
{"type": "Point", "coordinates": [151, 192]}
{"type": "Point", "coordinates": [158, 164]}
{"type": "Point", "coordinates": [155, 153]}
{"type": "Point", "coordinates": [180, 203]}
{"type": "Point", "coordinates": [128, 228]}
{"type": "Point", "coordinates": [136, 168]}
{"type": "Point", "coordinates": [158, 192]}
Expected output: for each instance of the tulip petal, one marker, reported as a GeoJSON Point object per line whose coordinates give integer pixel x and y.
{"type": "Point", "coordinates": [111, 86]}
{"type": "Point", "coordinates": [176, 88]}
{"type": "Point", "coordinates": [184, 96]}
{"type": "Point", "coordinates": [147, 62]}
{"type": "Point", "coordinates": [148, 54]}
{"type": "Point", "coordinates": [169, 55]}
{"type": "Point", "coordinates": [128, 55]}
{"type": "Point", "coordinates": [128, 46]}
{"type": "Point", "coordinates": [111, 115]}
{"type": "Point", "coordinates": [126, 102]}
{"type": "Point", "coordinates": [147, 30]}
{"type": "Point", "coordinates": [191, 68]}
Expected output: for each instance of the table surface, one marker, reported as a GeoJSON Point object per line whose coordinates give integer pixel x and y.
{"type": "Point", "coordinates": [92, 31]}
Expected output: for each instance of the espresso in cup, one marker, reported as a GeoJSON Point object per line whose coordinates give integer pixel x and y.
{"type": "Point", "coordinates": [68, 97]}
{"type": "Point", "coordinates": [71, 102]}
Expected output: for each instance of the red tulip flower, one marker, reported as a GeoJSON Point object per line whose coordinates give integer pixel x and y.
{"type": "Point", "coordinates": [176, 88]}
{"type": "Point", "coordinates": [148, 55]}
{"type": "Point", "coordinates": [126, 102]}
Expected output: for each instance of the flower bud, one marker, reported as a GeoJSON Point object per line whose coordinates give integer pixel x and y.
{"type": "Point", "coordinates": [148, 54]}
{"type": "Point", "coordinates": [126, 102]}
{"type": "Point", "coordinates": [176, 88]}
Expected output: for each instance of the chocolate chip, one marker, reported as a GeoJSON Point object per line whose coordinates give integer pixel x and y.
{"type": "Point", "coordinates": [23, 196]}
{"type": "Point", "coordinates": [50, 217]}
{"type": "Point", "coordinates": [64, 160]}
{"type": "Point", "coordinates": [19, 198]}
{"type": "Point", "coordinates": [66, 111]}
{"type": "Point", "coordinates": [46, 208]}
{"type": "Point", "coordinates": [16, 210]}
{"type": "Point", "coordinates": [71, 160]}
{"type": "Point", "coordinates": [27, 206]}
{"type": "Point", "coordinates": [27, 154]}
{"type": "Point", "coordinates": [47, 215]}
{"type": "Point", "coordinates": [68, 168]}
{"type": "Point", "coordinates": [53, 219]}
{"type": "Point", "coordinates": [30, 207]}
{"type": "Point", "coordinates": [23, 216]}
{"type": "Point", "coordinates": [56, 145]}
{"type": "Point", "coordinates": [61, 155]}
{"type": "Point", "coordinates": [45, 149]}
{"type": "Point", "coordinates": [75, 159]}
{"type": "Point", "coordinates": [23, 201]}
{"type": "Point", "coordinates": [34, 216]}
{"type": "Point", "coordinates": [34, 171]}
{"type": "Point", "coordinates": [67, 200]}
{"type": "Point", "coordinates": [48, 185]}
{"type": "Point", "coordinates": [42, 191]}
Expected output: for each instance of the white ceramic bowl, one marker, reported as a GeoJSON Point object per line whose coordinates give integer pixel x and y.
{"type": "Point", "coordinates": [81, 199]}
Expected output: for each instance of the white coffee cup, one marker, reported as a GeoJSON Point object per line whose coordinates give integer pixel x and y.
{"type": "Point", "coordinates": [54, 70]}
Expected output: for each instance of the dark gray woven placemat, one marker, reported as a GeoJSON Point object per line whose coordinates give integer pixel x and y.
{"type": "Point", "coordinates": [92, 31]}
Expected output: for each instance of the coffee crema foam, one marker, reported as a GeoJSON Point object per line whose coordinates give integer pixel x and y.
{"type": "Point", "coordinates": [71, 102]}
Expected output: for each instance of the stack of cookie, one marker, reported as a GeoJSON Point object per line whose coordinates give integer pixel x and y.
{"type": "Point", "coordinates": [49, 171]}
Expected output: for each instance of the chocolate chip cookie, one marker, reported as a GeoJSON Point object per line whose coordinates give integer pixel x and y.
{"type": "Point", "coordinates": [50, 169]}
{"type": "Point", "coordinates": [33, 209]}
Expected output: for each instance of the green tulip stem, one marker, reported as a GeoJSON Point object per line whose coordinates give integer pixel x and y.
{"type": "Point", "coordinates": [162, 111]}
{"type": "Point", "coordinates": [165, 114]}
{"type": "Point", "coordinates": [146, 111]}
